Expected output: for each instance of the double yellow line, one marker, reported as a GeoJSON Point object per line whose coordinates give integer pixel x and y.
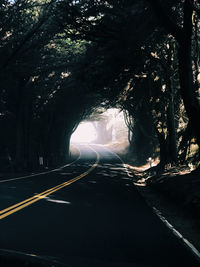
{"type": "Point", "coordinates": [14, 208]}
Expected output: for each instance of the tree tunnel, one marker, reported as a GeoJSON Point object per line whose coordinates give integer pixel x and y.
{"type": "Point", "coordinates": [63, 60]}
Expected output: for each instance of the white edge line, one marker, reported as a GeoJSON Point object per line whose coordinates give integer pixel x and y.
{"type": "Point", "coordinates": [189, 245]}
{"type": "Point", "coordinates": [43, 173]}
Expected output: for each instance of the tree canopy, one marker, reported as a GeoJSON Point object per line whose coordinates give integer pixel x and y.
{"type": "Point", "coordinates": [60, 60]}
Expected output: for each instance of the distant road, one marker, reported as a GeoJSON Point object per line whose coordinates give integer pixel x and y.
{"type": "Point", "coordinates": [87, 214]}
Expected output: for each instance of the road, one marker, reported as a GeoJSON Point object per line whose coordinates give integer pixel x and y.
{"type": "Point", "coordinates": [86, 214]}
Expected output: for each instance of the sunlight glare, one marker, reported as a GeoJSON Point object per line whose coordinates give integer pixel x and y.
{"type": "Point", "coordinates": [85, 133]}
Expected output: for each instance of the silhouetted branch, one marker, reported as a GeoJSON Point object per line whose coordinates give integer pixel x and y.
{"type": "Point", "coordinates": [195, 7]}
{"type": "Point", "coordinates": [166, 20]}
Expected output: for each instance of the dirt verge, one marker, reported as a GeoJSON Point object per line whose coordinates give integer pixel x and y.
{"type": "Point", "coordinates": [176, 194]}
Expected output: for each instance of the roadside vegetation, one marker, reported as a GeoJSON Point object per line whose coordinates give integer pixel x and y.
{"type": "Point", "coordinates": [62, 61]}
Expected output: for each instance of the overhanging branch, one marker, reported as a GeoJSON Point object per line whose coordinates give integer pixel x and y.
{"type": "Point", "coordinates": [195, 7]}
{"type": "Point", "coordinates": [166, 20]}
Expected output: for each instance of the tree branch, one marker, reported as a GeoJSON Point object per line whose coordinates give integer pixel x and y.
{"type": "Point", "coordinates": [166, 20]}
{"type": "Point", "coordinates": [195, 7]}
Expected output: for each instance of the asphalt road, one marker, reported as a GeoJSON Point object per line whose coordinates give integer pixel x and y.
{"type": "Point", "coordinates": [86, 214]}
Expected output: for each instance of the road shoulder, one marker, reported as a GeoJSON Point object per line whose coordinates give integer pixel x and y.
{"type": "Point", "coordinates": [176, 211]}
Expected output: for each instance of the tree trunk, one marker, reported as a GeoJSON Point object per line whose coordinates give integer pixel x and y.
{"type": "Point", "coordinates": [173, 157]}
{"type": "Point", "coordinates": [19, 153]}
{"type": "Point", "coordinates": [190, 100]}
{"type": "Point", "coordinates": [184, 39]}
{"type": "Point", "coordinates": [164, 153]}
{"type": "Point", "coordinates": [186, 138]}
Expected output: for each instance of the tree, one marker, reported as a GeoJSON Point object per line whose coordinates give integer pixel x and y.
{"type": "Point", "coordinates": [183, 34]}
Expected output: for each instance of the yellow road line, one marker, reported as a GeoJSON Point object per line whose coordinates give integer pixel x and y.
{"type": "Point", "coordinates": [14, 208]}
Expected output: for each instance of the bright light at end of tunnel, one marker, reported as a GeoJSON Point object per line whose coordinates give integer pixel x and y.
{"type": "Point", "coordinates": [85, 133]}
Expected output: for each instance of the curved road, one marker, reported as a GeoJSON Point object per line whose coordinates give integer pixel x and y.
{"type": "Point", "coordinates": [86, 214]}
